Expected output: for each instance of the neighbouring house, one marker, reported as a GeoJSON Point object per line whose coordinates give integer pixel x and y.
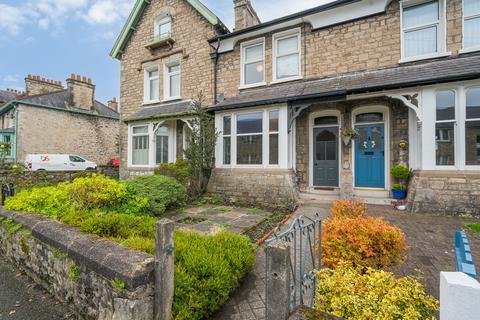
{"type": "Point", "coordinates": [48, 118]}
{"type": "Point", "coordinates": [405, 75]}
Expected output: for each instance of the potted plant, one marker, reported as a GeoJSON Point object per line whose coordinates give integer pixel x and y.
{"type": "Point", "coordinates": [348, 135]}
{"type": "Point", "coordinates": [401, 174]}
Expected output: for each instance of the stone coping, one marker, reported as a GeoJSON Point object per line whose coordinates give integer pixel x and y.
{"type": "Point", "coordinates": [472, 174]}
{"type": "Point", "coordinates": [255, 170]}
{"type": "Point", "coordinates": [105, 257]}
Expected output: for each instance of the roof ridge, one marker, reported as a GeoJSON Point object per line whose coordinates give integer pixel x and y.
{"type": "Point", "coordinates": [41, 94]}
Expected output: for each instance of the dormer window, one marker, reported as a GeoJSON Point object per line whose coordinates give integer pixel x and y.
{"type": "Point", "coordinates": [163, 27]}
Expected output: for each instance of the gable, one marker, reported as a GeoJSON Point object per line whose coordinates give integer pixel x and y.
{"type": "Point", "coordinates": [137, 12]}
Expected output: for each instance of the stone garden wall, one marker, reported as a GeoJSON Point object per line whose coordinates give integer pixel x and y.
{"type": "Point", "coordinates": [272, 188]}
{"type": "Point", "coordinates": [445, 192]}
{"type": "Point", "coordinates": [98, 278]}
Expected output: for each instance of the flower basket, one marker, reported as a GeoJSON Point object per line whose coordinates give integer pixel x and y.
{"type": "Point", "coordinates": [347, 135]}
{"type": "Point", "coordinates": [346, 140]}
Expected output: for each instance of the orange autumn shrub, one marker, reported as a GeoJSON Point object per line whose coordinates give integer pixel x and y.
{"type": "Point", "coordinates": [348, 208]}
{"type": "Point", "coordinates": [362, 241]}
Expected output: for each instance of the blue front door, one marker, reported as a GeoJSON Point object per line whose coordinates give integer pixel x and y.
{"type": "Point", "coordinates": [370, 156]}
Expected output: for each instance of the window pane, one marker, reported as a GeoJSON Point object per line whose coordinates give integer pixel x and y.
{"type": "Point", "coordinates": [154, 89]}
{"type": "Point", "coordinates": [140, 150]}
{"type": "Point", "coordinates": [162, 131]}
{"type": "Point", "coordinates": [288, 66]}
{"type": "Point", "coordinates": [250, 123]}
{"type": "Point", "coordinates": [175, 85]}
{"type": "Point", "coordinates": [472, 32]}
{"type": "Point", "coordinates": [325, 121]}
{"type": "Point", "coordinates": [227, 125]}
{"type": "Point", "coordinates": [273, 146]}
{"type": "Point", "coordinates": [249, 149]}
{"type": "Point", "coordinates": [445, 105]}
{"type": "Point", "coordinates": [153, 74]}
{"type": "Point", "coordinates": [227, 153]}
{"type": "Point", "coordinates": [445, 144]}
{"type": "Point", "coordinates": [288, 45]}
{"type": "Point", "coordinates": [369, 117]}
{"type": "Point", "coordinates": [420, 15]}
{"type": "Point", "coordinates": [419, 42]}
{"type": "Point", "coordinates": [473, 103]}
{"type": "Point", "coordinates": [165, 29]}
{"type": "Point", "coordinates": [471, 7]}
{"type": "Point", "coordinates": [472, 143]}
{"type": "Point", "coordinates": [174, 68]}
{"type": "Point", "coordinates": [254, 72]}
{"type": "Point", "coordinates": [254, 53]}
{"type": "Point", "coordinates": [162, 149]}
{"type": "Point", "coordinates": [139, 130]}
{"type": "Point", "coordinates": [273, 121]}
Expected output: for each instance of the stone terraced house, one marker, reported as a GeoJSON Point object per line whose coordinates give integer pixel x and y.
{"type": "Point", "coordinates": [405, 75]}
{"type": "Point", "coordinates": [48, 118]}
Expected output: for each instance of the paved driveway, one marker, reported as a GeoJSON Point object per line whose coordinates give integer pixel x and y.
{"type": "Point", "coordinates": [20, 299]}
{"type": "Point", "coordinates": [431, 242]}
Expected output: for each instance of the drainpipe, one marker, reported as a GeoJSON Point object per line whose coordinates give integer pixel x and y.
{"type": "Point", "coordinates": [215, 58]}
{"type": "Point", "coordinates": [16, 132]}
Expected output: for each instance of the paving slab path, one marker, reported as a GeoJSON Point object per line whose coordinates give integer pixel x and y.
{"type": "Point", "coordinates": [20, 299]}
{"type": "Point", "coordinates": [430, 238]}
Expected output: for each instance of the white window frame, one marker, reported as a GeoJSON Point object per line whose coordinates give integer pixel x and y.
{"type": "Point", "coordinates": [280, 36]}
{"type": "Point", "coordinates": [428, 158]}
{"type": "Point", "coordinates": [227, 136]}
{"type": "Point", "coordinates": [172, 143]}
{"type": "Point", "coordinates": [270, 133]}
{"type": "Point", "coordinates": [160, 21]}
{"type": "Point", "coordinates": [455, 122]}
{"type": "Point", "coordinates": [464, 125]}
{"type": "Point", "coordinates": [243, 47]}
{"type": "Point", "coordinates": [147, 84]}
{"type": "Point", "coordinates": [166, 81]}
{"type": "Point", "coordinates": [464, 18]}
{"type": "Point", "coordinates": [441, 31]}
{"type": "Point", "coordinates": [283, 138]}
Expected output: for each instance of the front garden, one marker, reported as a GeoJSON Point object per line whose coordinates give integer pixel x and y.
{"type": "Point", "coordinates": [207, 267]}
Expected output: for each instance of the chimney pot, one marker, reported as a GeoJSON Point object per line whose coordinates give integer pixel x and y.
{"type": "Point", "coordinates": [89, 80]}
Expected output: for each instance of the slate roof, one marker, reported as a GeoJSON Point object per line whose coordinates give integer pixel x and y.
{"type": "Point", "coordinates": [6, 96]}
{"type": "Point", "coordinates": [59, 100]}
{"type": "Point", "coordinates": [162, 111]}
{"type": "Point", "coordinates": [438, 71]}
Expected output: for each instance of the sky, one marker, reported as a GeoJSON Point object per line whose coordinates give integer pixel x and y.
{"type": "Point", "coordinates": [55, 38]}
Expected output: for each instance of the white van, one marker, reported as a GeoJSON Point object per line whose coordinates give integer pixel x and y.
{"type": "Point", "coordinates": [58, 162]}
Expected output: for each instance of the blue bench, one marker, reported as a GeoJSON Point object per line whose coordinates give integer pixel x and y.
{"type": "Point", "coordinates": [463, 255]}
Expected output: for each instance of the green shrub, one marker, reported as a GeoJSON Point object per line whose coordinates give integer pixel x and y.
{"type": "Point", "coordinates": [353, 294]}
{"type": "Point", "coordinates": [400, 172]}
{"type": "Point", "coordinates": [96, 191]}
{"type": "Point", "coordinates": [207, 270]}
{"type": "Point", "coordinates": [162, 192]}
{"type": "Point", "coordinates": [178, 170]}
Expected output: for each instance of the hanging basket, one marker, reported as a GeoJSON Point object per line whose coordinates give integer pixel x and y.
{"type": "Point", "coordinates": [346, 140]}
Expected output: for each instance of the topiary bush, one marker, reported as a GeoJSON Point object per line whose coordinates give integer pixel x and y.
{"type": "Point", "coordinates": [362, 241]}
{"type": "Point", "coordinates": [178, 170]}
{"type": "Point", "coordinates": [162, 192]}
{"type": "Point", "coordinates": [400, 172]}
{"type": "Point", "coordinates": [348, 208]}
{"type": "Point", "coordinates": [363, 295]}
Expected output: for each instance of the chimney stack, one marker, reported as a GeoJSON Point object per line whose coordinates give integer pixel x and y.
{"type": "Point", "coordinates": [113, 104]}
{"type": "Point", "coordinates": [245, 15]}
{"type": "Point", "coordinates": [81, 92]}
{"type": "Point", "coordinates": [35, 85]}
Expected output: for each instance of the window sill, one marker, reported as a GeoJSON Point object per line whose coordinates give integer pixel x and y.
{"type": "Point", "coordinates": [171, 99]}
{"type": "Point", "coordinates": [425, 57]}
{"type": "Point", "coordinates": [286, 80]}
{"type": "Point", "coordinates": [255, 85]}
{"type": "Point", "coordinates": [468, 50]}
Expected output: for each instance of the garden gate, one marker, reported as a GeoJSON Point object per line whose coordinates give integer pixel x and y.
{"type": "Point", "coordinates": [303, 242]}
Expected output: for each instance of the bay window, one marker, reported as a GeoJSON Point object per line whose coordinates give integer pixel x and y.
{"type": "Point", "coordinates": [256, 138]}
{"type": "Point", "coordinates": [286, 56]}
{"type": "Point", "coordinates": [472, 127]}
{"type": "Point", "coordinates": [151, 86]}
{"type": "Point", "coordinates": [140, 145]}
{"type": "Point", "coordinates": [172, 81]}
{"type": "Point", "coordinates": [471, 24]}
{"type": "Point", "coordinates": [253, 63]}
{"type": "Point", "coordinates": [422, 28]}
{"type": "Point", "coordinates": [445, 128]}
